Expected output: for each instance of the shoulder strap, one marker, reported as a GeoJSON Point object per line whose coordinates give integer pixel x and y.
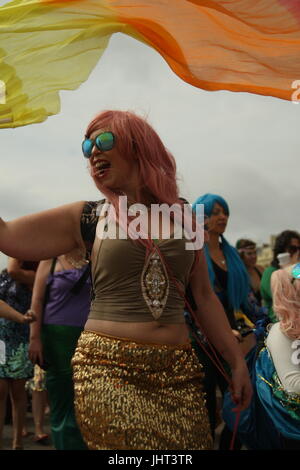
{"type": "Point", "coordinates": [81, 281]}
{"type": "Point", "coordinates": [53, 265]}
{"type": "Point", "coordinates": [88, 222]}
{"type": "Point", "coordinates": [96, 249]}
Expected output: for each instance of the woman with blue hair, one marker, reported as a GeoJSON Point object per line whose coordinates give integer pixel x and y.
{"type": "Point", "coordinates": [230, 281]}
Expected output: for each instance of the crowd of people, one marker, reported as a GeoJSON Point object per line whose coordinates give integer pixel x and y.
{"type": "Point", "coordinates": [130, 339]}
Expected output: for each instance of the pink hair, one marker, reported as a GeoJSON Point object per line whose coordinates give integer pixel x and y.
{"type": "Point", "coordinates": [286, 302]}
{"type": "Point", "coordinates": [137, 141]}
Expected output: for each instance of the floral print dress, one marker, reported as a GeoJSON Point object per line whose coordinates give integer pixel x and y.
{"type": "Point", "coordinates": [14, 337]}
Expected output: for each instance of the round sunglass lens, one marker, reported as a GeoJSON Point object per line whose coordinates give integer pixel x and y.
{"type": "Point", "coordinates": [105, 141]}
{"type": "Point", "coordinates": [87, 147]}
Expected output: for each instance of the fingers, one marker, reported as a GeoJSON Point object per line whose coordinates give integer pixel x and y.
{"type": "Point", "coordinates": [29, 317]}
{"type": "Point", "coordinates": [242, 399]}
{"type": "Point", "coordinates": [30, 314]}
{"type": "Point", "coordinates": [32, 356]}
{"type": "Point", "coordinates": [36, 356]}
{"type": "Point", "coordinates": [237, 336]}
{"type": "Point", "coordinates": [41, 359]}
{"type": "Point", "coordinates": [241, 390]}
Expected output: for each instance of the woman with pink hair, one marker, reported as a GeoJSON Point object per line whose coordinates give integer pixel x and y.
{"type": "Point", "coordinates": [137, 380]}
{"type": "Point", "coordinates": [273, 419]}
{"type": "Point", "coordinates": [283, 345]}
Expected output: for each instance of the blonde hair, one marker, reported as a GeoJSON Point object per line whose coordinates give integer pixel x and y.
{"type": "Point", "coordinates": [286, 301]}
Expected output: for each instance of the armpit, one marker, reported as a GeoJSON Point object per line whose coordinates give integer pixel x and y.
{"type": "Point", "coordinates": [88, 223]}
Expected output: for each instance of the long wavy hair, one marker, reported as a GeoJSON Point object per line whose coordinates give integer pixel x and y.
{"type": "Point", "coordinates": [286, 301]}
{"type": "Point", "coordinates": [138, 143]}
{"type": "Point", "coordinates": [281, 244]}
{"type": "Point", "coordinates": [238, 285]}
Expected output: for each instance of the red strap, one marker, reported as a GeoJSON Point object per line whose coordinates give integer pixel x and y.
{"type": "Point", "coordinates": [215, 360]}
{"type": "Point", "coordinates": [235, 428]}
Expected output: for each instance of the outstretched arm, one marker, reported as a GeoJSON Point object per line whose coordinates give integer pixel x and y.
{"type": "Point", "coordinates": [43, 235]}
{"type": "Point", "coordinates": [213, 320]}
{"type": "Point", "coordinates": [6, 311]}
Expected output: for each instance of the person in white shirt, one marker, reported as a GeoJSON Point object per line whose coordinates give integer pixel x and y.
{"type": "Point", "coordinates": [283, 340]}
{"type": "Point", "coordinates": [273, 419]}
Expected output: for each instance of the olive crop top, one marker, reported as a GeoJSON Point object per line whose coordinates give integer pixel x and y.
{"type": "Point", "coordinates": [128, 287]}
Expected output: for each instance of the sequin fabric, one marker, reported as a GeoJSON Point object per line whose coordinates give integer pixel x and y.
{"type": "Point", "coordinates": [131, 395]}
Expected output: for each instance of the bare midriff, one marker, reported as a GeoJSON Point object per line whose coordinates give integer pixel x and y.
{"type": "Point", "coordinates": [148, 332]}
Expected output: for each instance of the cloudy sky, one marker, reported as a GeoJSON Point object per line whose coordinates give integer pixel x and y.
{"type": "Point", "coordinates": [239, 145]}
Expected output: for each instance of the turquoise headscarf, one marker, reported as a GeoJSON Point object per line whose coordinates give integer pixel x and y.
{"type": "Point", "coordinates": [238, 285]}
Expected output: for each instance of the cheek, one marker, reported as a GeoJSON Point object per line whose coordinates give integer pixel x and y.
{"type": "Point", "coordinates": [210, 222]}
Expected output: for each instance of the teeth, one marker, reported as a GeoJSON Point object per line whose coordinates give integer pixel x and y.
{"type": "Point", "coordinates": [102, 164]}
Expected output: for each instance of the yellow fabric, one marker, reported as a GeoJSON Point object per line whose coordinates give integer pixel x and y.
{"type": "Point", "coordinates": [241, 316]}
{"type": "Point", "coordinates": [241, 45]}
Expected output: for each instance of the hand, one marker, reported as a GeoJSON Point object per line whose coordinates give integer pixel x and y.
{"type": "Point", "coordinates": [241, 388]}
{"type": "Point", "coordinates": [35, 351]}
{"type": "Point", "coordinates": [29, 317]}
{"type": "Point", "coordinates": [237, 335]}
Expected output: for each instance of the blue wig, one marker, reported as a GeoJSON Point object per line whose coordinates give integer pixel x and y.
{"type": "Point", "coordinates": [238, 285]}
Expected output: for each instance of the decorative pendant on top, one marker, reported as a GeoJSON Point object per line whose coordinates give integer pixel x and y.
{"type": "Point", "coordinates": [155, 284]}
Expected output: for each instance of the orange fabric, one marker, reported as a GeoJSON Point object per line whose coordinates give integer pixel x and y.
{"type": "Point", "coordinates": [220, 45]}
{"type": "Point", "coordinates": [50, 45]}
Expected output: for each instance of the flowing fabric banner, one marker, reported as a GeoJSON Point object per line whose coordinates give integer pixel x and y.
{"type": "Point", "coordinates": [237, 45]}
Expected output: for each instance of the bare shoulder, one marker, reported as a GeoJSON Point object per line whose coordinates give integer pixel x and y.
{"type": "Point", "coordinates": [45, 263]}
{"type": "Point", "coordinates": [43, 268]}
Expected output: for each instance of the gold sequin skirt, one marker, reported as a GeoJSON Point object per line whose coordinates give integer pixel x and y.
{"type": "Point", "coordinates": [131, 395]}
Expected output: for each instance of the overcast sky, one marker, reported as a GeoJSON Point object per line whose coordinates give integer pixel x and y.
{"type": "Point", "coordinates": [241, 146]}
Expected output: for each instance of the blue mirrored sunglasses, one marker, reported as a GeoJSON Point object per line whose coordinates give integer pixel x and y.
{"type": "Point", "coordinates": [104, 142]}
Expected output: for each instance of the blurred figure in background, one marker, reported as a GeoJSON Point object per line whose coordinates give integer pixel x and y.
{"type": "Point", "coordinates": [248, 253]}
{"type": "Point", "coordinates": [230, 281]}
{"type": "Point", "coordinates": [15, 289]}
{"type": "Point", "coordinates": [61, 302]}
{"type": "Point", "coordinates": [287, 241]}
{"type": "Point", "coordinates": [36, 388]}
{"type": "Point", "coordinates": [272, 420]}
{"type": "Point", "coordinates": [6, 311]}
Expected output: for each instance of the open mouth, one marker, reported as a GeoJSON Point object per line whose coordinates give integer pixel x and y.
{"type": "Point", "coordinates": [102, 167]}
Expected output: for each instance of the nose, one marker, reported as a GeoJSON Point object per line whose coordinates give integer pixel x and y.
{"type": "Point", "coordinates": [96, 153]}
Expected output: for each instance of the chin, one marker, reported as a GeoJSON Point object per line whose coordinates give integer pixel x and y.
{"type": "Point", "coordinates": [103, 183]}
{"type": "Point", "coordinates": [99, 184]}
